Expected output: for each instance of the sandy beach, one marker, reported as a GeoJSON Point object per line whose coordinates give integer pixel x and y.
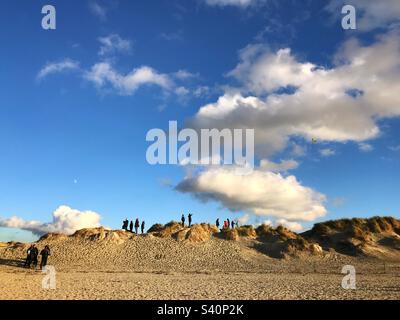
{"type": "Point", "coordinates": [149, 267]}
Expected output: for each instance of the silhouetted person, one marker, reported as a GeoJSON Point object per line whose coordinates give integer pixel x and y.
{"type": "Point", "coordinates": [142, 226]}
{"type": "Point", "coordinates": [190, 219]}
{"type": "Point", "coordinates": [137, 225]}
{"type": "Point", "coordinates": [131, 226]}
{"type": "Point", "coordinates": [34, 256]}
{"type": "Point", "coordinates": [233, 224]}
{"type": "Point", "coordinates": [217, 223]}
{"type": "Point", "coordinates": [45, 254]}
{"type": "Point", "coordinates": [228, 222]}
{"type": "Point", "coordinates": [28, 260]}
{"type": "Point", "coordinates": [125, 225]}
{"type": "Point", "coordinates": [183, 220]}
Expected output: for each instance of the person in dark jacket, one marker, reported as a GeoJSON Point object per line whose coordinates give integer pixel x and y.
{"type": "Point", "coordinates": [34, 256]}
{"type": "Point", "coordinates": [190, 219]}
{"type": "Point", "coordinates": [137, 225]}
{"type": "Point", "coordinates": [125, 225]}
{"type": "Point", "coordinates": [45, 254]}
{"type": "Point", "coordinates": [131, 226]}
{"type": "Point", "coordinates": [228, 222]}
{"type": "Point", "coordinates": [142, 226]}
{"type": "Point", "coordinates": [28, 260]}
{"type": "Point", "coordinates": [183, 220]}
{"type": "Point", "coordinates": [217, 223]}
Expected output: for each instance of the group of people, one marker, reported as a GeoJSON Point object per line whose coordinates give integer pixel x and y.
{"type": "Point", "coordinates": [129, 226]}
{"type": "Point", "coordinates": [189, 220]}
{"type": "Point", "coordinates": [137, 224]}
{"type": "Point", "coordinates": [227, 224]}
{"type": "Point", "coordinates": [33, 254]}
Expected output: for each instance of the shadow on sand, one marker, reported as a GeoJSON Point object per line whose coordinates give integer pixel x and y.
{"type": "Point", "coordinates": [12, 263]}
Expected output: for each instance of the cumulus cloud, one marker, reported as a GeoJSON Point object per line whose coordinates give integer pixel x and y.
{"type": "Point", "coordinates": [65, 220]}
{"type": "Point", "coordinates": [291, 225]}
{"type": "Point", "coordinates": [103, 73]}
{"type": "Point", "coordinates": [57, 67]}
{"type": "Point", "coordinates": [282, 97]}
{"type": "Point", "coordinates": [243, 220]}
{"type": "Point", "coordinates": [259, 192]}
{"type": "Point", "coordinates": [283, 166]}
{"type": "Point", "coordinates": [370, 14]}
{"type": "Point", "coordinates": [113, 43]}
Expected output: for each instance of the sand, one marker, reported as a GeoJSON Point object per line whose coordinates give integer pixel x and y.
{"type": "Point", "coordinates": [152, 268]}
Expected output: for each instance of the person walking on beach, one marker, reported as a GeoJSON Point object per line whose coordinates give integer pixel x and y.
{"type": "Point", "coordinates": [28, 260]}
{"type": "Point", "coordinates": [190, 219]}
{"type": "Point", "coordinates": [34, 256]}
{"type": "Point", "coordinates": [45, 254]}
{"type": "Point", "coordinates": [131, 227]}
{"type": "Point", "coordinates": [137, 225]}
{"type": "Point", "coordinates": [142, 226]}
{"type": "Point", "coordinates": [217, 223]}
{"type": "Point", "coordinates": [183, 220]}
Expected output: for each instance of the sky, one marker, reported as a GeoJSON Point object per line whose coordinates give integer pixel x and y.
{"type": "Point", "coordinates": [77, 102]}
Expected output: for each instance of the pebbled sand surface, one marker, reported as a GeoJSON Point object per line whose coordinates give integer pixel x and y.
{"type": "Point", "coordinates": [154, 268]}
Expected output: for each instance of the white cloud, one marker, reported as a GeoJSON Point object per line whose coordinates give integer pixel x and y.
{"type": "Point", "coordinates": [343, 103]}
{"type": "Point", "coordinates": [185, 75]}
{"type": "Point", "coordinates": [291, 225]}
{"type": "Point", "coordinates": [365, 147]}
{"type": "Point", "coordinates": [182, 91]}
{"type": "Point", "coordinates": [327, 152]}
{"type": "Point", "coordinates": [98, 10]}
{"type": "Point", "coordinates": [102, 74]}
{"type": "Point", "coordinates": [298, 150]}
{"type": "Point", "coordinates": [283, 166]}
{"type": "Point", "coordinates": [57, 67]}
{"type": "Point", "coordinates": [65, 220]}
{"type": "Point", "coordinates": [261, 193]}
{"type": "Point", "coordinates": [370, 14]}
{"type": "Point", "coordinates": [243, 220]}
{"type": "Point", "coordinates": [113, 43]}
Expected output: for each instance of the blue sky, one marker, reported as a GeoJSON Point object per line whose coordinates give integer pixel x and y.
{"type": "Point", "coordinates": [68, 140]}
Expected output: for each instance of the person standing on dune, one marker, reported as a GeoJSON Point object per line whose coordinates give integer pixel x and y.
{"type": "Point", "coordinates": [142, 226]}
{"type": "Point", "coordinates": [183, 220]}
{"type": "Point", "coordinates": [137, 226]}
{"type": "Point", "coordinates": [131, 227]}
{"type": "Point", "coordinates": [217, 223]}
{"type": "Point", "coordinates": [190, 219]}
{"type": "Point", "coordinates": [125, 225]}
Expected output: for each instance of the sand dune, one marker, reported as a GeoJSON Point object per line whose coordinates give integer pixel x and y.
{"type": "Point", "coordinates": [171, 262]}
